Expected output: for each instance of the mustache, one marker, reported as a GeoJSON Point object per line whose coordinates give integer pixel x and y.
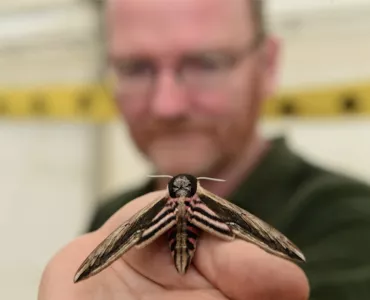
{"type": "Point", "coordinates": [177, 126]}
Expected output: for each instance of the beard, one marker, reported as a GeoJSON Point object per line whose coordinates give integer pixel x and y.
{"type": "Point", "coordinates": [180, 146]}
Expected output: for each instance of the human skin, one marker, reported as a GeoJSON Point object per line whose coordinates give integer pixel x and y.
{"type": "Point", "coordinates": [220, 270]}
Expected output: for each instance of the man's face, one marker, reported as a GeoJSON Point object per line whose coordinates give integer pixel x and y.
{"type": "Point", "coordinates": [187, 106]}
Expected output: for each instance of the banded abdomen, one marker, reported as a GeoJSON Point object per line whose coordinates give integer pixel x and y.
{"type": "Point", "coordinates": [182, 239]}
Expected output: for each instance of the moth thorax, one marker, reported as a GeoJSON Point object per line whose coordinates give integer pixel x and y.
{"type": "Point", "coordinates": [184, 192]}
{"type": "Point", "coordinates": [182, 185]}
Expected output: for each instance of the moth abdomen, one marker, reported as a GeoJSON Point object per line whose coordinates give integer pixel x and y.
{"type": "Point", "coordinates": [192, 234]}
{"type": "Point", "coordinates": [172, 239]}
{"type": "Point", "coordinates": [182, 240]}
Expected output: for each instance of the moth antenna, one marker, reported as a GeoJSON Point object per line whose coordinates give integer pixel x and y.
{"type": "Point", "coordinates": [212, 179]}
{"type": "Point", "coordinates": [160, 176]}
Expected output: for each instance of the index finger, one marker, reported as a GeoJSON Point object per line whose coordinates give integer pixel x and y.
{"type": "Point", "coordinates": [241, 270]}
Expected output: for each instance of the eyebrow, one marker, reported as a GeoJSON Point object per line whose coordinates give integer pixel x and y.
{"type": "Point", "coordinates": [186, 55]}
{"type": "Point", "coordinates": [118, 58]}
{"type": "Point", "coordinates": [191, 54]}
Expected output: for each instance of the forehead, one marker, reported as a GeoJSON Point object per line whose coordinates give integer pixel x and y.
{"type": "Point", "coordinates": [166, 26]}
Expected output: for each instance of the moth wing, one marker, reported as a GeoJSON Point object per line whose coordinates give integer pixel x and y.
{"type": "Point", "coordinates": [250, 228]}
{"type": "Point", "coordinates": [207, 220]}
{"type": "Point", "coordinates": [120, 240]}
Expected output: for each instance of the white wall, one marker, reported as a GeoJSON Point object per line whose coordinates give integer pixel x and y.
{"type": "Point", "coordinates": [324, 47]}
{"type": "Point", "coordinates": [49, 170]}
{"type": "Point", "coordinates": [46, 189]}
{"type": "Point", "coordinates": [50, 45]}
{"type": "Point", "coordinates": [7, 6]}
{"type": "Point", "coordinates": [279, 7]}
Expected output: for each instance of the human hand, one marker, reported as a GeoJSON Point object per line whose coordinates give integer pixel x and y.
{"type": "Point", "coordinates": [219, 270]}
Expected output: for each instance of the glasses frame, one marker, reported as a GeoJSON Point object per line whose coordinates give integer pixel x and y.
{"type": "Point", "coordinates": [230, 61]}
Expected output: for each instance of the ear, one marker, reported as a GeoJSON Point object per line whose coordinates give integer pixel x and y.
{"type": "Point", "coordinates": [270, 56]}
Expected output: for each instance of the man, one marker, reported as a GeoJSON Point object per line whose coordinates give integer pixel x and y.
{"type": "Point", "coordinates": [191, 77]}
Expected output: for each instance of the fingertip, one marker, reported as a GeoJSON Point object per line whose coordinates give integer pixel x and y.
{"type": "Point", "coordinates": [240, 269]}
{"type": "Point", "coordinates": [301, 286]}
{"type": "Point", "coordinates": [62, 266]}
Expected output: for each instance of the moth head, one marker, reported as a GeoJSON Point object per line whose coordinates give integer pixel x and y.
{"type": "Point", "coordinates": [182, 185]}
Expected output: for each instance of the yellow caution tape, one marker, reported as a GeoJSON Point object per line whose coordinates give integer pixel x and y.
{"type": "Point", "coordinates": [74, 103]}
{"type": "Point", "coordinates": [94, 103]}
{"type": "Point", "coordinates": [334, 101]}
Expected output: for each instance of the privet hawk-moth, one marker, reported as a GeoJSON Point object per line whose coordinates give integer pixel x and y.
{"type": "Point", "coordinates": [182, 212]}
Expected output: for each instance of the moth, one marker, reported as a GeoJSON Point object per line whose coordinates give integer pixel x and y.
{"type": "Point", "coordinates": [185, 209]}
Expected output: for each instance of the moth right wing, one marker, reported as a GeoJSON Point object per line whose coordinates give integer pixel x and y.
{"type": "Point", "coordinates": [248, 227]}
{"type": "Point", "coordinates": [142, 228]}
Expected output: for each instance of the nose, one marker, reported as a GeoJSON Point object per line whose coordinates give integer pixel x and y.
{"type": "Point", "coordinates": [168, 98]}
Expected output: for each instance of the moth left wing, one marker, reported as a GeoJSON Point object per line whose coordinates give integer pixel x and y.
{"type": "Point", "coordinates": [142, 228]}
{"type": "Point", "coordinates": [250, 228]}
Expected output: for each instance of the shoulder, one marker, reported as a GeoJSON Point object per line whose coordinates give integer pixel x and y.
{"type": "Point", "coordinates": [323, 188]}
{"type": "Point", "coordinates": [327, 197]}
{"type": "Point", "coordinates": [112, 204]}
{"type": "Point", "coordinates": [329, 218]}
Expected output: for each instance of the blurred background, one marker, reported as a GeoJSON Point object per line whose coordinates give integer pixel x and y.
{"type": "Point", "coordinates": [63, 149]}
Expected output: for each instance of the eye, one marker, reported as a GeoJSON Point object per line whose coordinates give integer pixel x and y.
{"type": "Point", "coordinates": [133, 68]}
{"type": "Point", "coordinates": [208, 62]}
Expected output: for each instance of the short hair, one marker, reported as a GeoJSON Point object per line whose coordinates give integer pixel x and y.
{"type": "Point", "coordinates": [258, 16]}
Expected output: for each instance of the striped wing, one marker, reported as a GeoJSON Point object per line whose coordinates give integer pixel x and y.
{"type": "Point", "coordinates": [248, 227]}
{"type": "Point", "coordinates": [142, 228]}
{"type": "Point", "coordinates": [206, 219]}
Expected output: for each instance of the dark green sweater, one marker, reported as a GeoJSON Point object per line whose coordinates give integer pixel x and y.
{"type": "Point", "coordinates": [326, 214]}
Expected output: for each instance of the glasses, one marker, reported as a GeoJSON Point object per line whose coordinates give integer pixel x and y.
{"type": "Point", "coordinates": [200, 71]}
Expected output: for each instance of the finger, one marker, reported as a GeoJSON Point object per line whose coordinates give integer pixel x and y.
{"type": "Point", "coordinates": [57, 279]}
{"type": "Point", "coordinates": [241, 270]}
{"type": "Point", "coordinates": [154, 261]}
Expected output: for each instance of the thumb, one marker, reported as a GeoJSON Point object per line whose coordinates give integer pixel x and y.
{"type": "Point", "coordinates": [241, 270]}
